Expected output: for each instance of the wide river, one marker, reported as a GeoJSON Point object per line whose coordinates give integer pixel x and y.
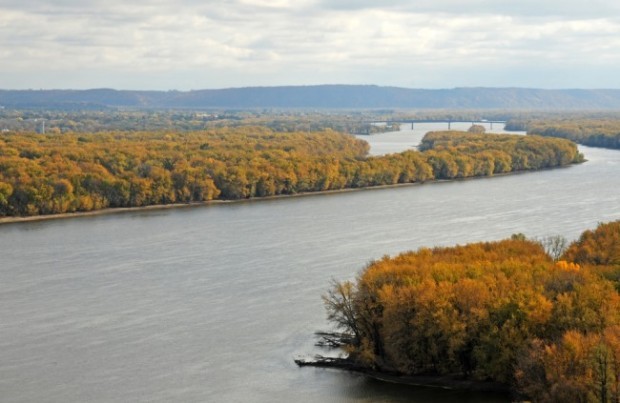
{"type": "Point", "coordinates": [211, 304]}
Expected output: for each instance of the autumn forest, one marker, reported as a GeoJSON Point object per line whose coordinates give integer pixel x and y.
{"type": "Point", "coordinates": [505, 312]}
{"type": "Point", "coordinates": [59, 173]}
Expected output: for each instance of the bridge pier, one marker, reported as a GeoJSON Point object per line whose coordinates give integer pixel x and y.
{"type": "Point", "coordinates": [449, 125]}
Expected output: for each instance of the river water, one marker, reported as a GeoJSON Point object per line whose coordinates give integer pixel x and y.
{"type": "Point", "coordinates": [211, 304]}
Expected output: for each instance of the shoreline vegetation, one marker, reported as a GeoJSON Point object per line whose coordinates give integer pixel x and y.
{"type": "Point", "coordinates": [534, 318]}
{"type": "Point", "coordinates": [44, 175]}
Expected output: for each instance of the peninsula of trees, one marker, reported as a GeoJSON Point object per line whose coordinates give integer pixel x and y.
{"type": "Point", "coordinates": [47, 174]}
{"type": "Point", "coordinates": [504, 311]}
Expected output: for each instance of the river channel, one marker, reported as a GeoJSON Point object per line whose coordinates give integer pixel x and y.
{"type": "Point", "coordinates": [211, 304]}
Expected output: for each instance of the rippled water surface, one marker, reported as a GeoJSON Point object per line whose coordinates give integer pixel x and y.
{"type": "Point", "coordinates": [213, 303]}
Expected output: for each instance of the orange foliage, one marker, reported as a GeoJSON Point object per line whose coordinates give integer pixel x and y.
{"type": "Point", "coordinates": [501, 311]}
{"type": "Point", "coordinates": [138, 169]}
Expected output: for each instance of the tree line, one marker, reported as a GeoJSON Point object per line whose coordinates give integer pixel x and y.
{"type": "Point", "coordinates": [502, 311]}
{"type": "Point", "coordinates": [598, 132]}
{"type": "Point", "coordinates": [46, 174]}
{"type": "Point", "coordinates": [103, 119]}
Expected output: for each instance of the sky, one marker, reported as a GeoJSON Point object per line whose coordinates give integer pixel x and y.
{"type": "Point", "coordinates": [202, 44]}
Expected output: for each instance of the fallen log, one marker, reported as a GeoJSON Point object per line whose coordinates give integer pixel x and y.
{"type": "Point", "coordinates": [329, 362]}
{"type": "Point", "coordinates": [333, 339]}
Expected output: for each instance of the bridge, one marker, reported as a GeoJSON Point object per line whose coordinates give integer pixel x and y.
{"type": "Point", "coordinates": [449, 122]}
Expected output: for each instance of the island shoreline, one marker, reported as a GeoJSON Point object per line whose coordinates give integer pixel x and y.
{"type": "Point", "coordinates": [155, 207]}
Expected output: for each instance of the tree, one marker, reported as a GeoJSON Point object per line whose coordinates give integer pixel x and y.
{"type": "Point", "coordinates": [6, 190]}
{"type": "Point", "coordinates": [554, 245]}
{"type": "Point", "coordinates": [478, 129]}
{"type": "Point", "coordinates": [340, 308]}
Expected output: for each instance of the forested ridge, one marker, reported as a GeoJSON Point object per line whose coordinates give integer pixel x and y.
{"type": "Point", "coordinates": [590, 132]}
{"type": "Point", "coordinates": [46, 174]}
{"type": "Point", "coordinates": [502, 311]}
{"type": "Point", "coordinates": [318, 96]}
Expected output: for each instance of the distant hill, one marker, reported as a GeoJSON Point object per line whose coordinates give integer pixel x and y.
{"type": "Point", "coordinates": [319, 96]}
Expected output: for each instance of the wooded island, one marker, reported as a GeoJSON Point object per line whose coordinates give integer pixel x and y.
{"type": "Point", "coordinates": [48, 174]}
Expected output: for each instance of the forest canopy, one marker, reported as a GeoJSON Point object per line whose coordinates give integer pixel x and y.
{"type": "Point", "coordinates": [500, 311]}
{"type": "Point", "coordinates": [46, 174]}
{"type": "Point", "coordinates": [599, 132]}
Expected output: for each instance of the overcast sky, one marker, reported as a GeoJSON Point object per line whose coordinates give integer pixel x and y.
{"type": "Point", "coordinates": [196, 44]}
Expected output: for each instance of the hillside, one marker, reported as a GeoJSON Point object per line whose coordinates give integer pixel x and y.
{"type": "Point", "coordinates": [320, 96]}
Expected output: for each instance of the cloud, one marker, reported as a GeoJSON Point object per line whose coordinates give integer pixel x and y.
{"type": "Point", "coordinates": [517, 8]}
{"type": "Point", "coordinates": [189, 43]}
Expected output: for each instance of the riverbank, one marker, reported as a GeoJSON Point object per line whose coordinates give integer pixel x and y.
{"type": "Point", "coordinates": [117, 210]}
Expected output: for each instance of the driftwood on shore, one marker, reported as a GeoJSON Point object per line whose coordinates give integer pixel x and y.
{"type": "Point", "coordinates": [328, 362]}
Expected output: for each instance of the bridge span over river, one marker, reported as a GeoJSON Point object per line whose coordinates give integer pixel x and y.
{"type": "Point", "coordinates": [413, 122]}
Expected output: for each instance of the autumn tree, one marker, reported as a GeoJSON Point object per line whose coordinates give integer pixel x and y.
{"type": "Point", "coordinates": [479, 129]}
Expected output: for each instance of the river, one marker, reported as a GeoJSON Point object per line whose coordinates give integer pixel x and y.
{"type": "Point", "coordinates": [213, 303]}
